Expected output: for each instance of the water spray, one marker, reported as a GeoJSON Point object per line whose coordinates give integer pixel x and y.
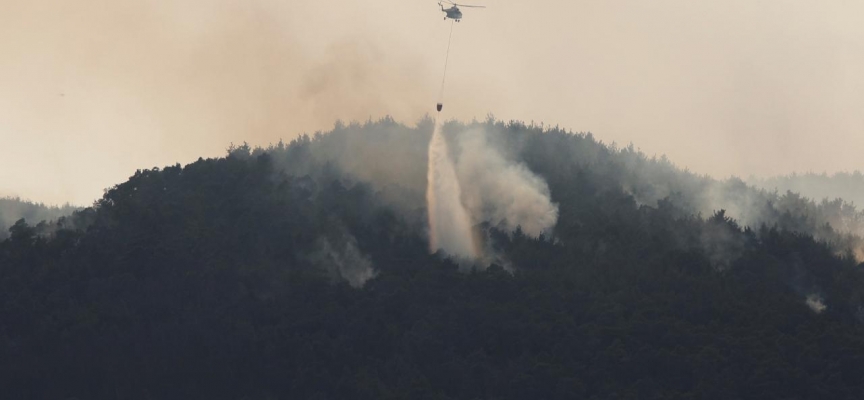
{"type": "Point", "coordinates": [449, 220]}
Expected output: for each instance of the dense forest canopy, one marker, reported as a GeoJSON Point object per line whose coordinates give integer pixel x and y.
{"type": "Point", "coordinates": [302, 270]}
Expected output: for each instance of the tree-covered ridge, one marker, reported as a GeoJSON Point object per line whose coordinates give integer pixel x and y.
{"type": "Point", "coordinates": [12, 209]}
{"type": "Point", "coordinates": [392, 157]}
{"type": "Point", "coordinates": [302, 271]}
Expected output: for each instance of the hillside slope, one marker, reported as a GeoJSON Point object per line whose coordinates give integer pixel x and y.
{"type": "Point", "coordinates": [303, 271]}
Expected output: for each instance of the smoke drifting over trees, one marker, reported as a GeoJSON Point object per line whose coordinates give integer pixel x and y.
{"type": "Point", "coordinates": [13, 209]}
{"type": "Point", "coordinates": [302, 270]}
{"type": "Point", "coordinates": [846, 186]}
{"type": "Point", "coordinates": [342, 259]}
{"type": "Point", "coordinates": [504, 193]}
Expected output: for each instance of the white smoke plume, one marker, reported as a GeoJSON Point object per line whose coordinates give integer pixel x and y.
{"type": "Point", "coordinates": [342, 259]}
{"type": "Point", "coordinates": [449, 222]}
{"type": "Point", "coordinates": [816, 303]}
{"type": "Point", "coordinates": [722, 242]}
{"type": "Point", "coordinates": [502, 192]}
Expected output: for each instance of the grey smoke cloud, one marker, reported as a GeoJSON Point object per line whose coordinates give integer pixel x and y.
{"type": "Point", "coordinates": [357, 76]}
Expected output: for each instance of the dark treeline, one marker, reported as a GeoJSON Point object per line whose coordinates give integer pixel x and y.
{"type": "Point", "coordinates": [302, 271]}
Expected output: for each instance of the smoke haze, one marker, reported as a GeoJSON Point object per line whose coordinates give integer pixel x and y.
{"type": "Point", "coordinates": [94, 89]}
{"type": "Point", "coordinates": [12, 209]}
{"type": "Point", "coordinates": [847, 186]}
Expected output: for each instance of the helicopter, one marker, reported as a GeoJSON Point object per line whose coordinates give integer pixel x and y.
{"type": "Point", "coordinates": [453, 12]}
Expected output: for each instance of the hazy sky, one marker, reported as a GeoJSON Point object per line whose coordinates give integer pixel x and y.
{"type": "Point", "coordinates": [91, 90]}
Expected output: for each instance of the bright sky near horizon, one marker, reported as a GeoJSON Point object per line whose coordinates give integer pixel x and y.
{"type": "Point", "coordinates": [91, 90]}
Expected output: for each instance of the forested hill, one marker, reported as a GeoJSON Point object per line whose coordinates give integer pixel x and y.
{"type": "Point", "coordinates": [303, 271]}
{"type": "Point", "coordinates": [12, 209]}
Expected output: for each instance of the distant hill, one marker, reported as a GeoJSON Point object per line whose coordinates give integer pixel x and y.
{"type": "Point", "coordinates": [844, 185]}
{"type": "Point", "coordinates": [302, 271]}
{"type": "Point", "coordinates": [12, 209]}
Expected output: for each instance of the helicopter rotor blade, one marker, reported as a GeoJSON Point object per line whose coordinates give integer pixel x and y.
{"type": "Point", "coordinates": [462, 5]}
{"type": "Point", "coordinates": [467, 5]}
